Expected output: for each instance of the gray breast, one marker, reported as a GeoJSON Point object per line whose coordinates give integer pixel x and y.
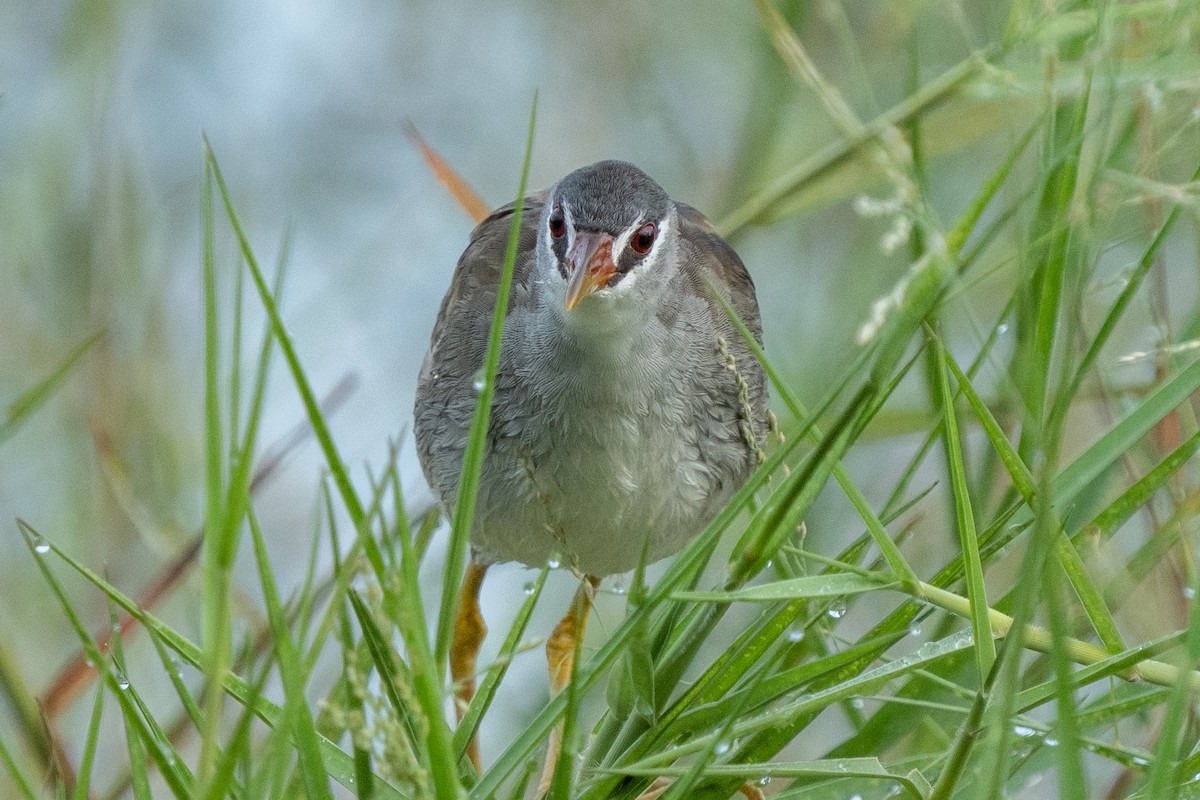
{"type": "Point", "coordinates": [594, 455]}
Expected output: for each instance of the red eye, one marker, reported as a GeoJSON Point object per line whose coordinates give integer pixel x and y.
{"type": "Point", "coordinates": [558, 225]}
{"type": "Point", "coordinates": [643, 240]}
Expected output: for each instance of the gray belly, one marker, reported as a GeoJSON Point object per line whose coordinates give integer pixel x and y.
{"type": "Point", "coordinates": [591, 483]}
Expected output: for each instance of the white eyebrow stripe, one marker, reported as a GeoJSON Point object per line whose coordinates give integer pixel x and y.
{"type": "Point", "coordinates": [647, 262]}
{"type": "Point", "coordinates": [569, 221]}
{"type": "Point", "coordinates": [623, 239]}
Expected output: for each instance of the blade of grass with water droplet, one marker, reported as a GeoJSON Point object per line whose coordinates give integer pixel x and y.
{"type": "Point", "coordinates": [338, 763]}
{"type": "Point", "coordinates": [474, 450]}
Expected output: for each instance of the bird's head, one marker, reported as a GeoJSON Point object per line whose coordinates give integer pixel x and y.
{"type": "Point", "coordinates": [608, 237]}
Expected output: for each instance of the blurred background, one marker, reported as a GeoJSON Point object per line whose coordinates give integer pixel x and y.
{"type": "Point", "coordinates": [102, 107]}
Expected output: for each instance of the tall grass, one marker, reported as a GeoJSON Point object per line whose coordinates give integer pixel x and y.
{"type": "Point", "coordinates": [1036, 635]}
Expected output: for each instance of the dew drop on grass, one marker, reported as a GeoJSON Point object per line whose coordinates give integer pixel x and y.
{"type": "Point", "coordinates": [1023, 730]}
{"type": "Point", "coordinates": [722, 748]}
{"type": "Point", "coordinates": [528, 587]}
{"type": "Point", "coordinates": [40, 545]}
{"type": "Point", "coordinates": [857, 702]}
{"type": "Point", "coordinates": [122, 682]}
{"type": "Point", "coordinates": [765, 780]}
{"type": "Point", "coordinates": [795, 634]}
{"type": "Point", "coordinates": [1189, 593]}
{"type": "Point", "coordinates": [618, 588]}
{"type": "Point", "coordinates": [554, 561]}
{"type": "Point", "coordinates": [1050, 741]}
{"type": "Point", "coordinates": [477, 382]}
{"type": "Point", "coordinates": [1002, 328]}
{"type": "Point", "coordinates": [837, 610]}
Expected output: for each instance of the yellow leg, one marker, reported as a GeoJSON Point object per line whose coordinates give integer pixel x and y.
{"type": "Point", "coordinates": [560, 658]}
{"type": "Point", "coordinates": [469, 631]}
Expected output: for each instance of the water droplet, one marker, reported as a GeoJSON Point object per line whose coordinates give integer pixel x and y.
{"type": "Point", "coordinates": [1140, 761]}
{"type": "Point", "coordinates": [722, 748]}
{"type": "Point", "coordinates": [795, 634]}
{"type": "Point", "coordinates": [837, 610]}
{"type": "Point", "coordinates": [40, 545]}
{"type": "Point", "coordinates": [855, 797]}
{"type": "Point", "coordinates": [1189, 593]}
{"type": "Point", "coordinates": [122, 682]}
{"type": "Point", "coordinates": [1002, 328]}
{"type": "Point", "coordinates": [765, 780]}
{"type": "Point", "coordinates": [914, 631]}
{"type": "Point", "coordinates": [477, 382]}
{"type": "Point", "coordinates": [770, 563]}
{"type": "Point", "coordinates": [1023, 730]}
{"type": "Point", "coordinates": [555, 561]}
{"type": "Point", "coordinates": [618, 588]}
{"type": "Point", "coordinates": [528, 587]}
{"type": "Point", "coordinates": [1050, 741]}
{"type": "Point", "coordinates": [857, 702]}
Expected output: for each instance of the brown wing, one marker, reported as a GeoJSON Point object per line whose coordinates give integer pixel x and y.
{"type": "Point", "coordinates": [706, 257]}
{"type": "Point", "coordinates": [725, 269]}
{"type": "Point", "coordinates": [457, 347]}
{"type": "Point", "coordinates": [464, 320]}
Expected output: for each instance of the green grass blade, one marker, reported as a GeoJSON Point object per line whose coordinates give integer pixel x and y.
{"type": "Point", "coordinates": [217, 636]}
{"type": "Point", "coordinates": [1139, 493]}
{"type": "Point", "coordinates": [291, 670]}
{"type": "Point", "coordinates": [985, 648]}
{"type": "Point", "coordinates": [1128, 292]}
{"type": "Point", "coordinates": [1176, 729]}
{"type": "Point", "coordinates": [14, 772]}
{"type": "Point", "coordinates": [485, 693]}
{"type": "Point", "coordinates": [794, 588]}
{"type": "Point", "coordinates": [936, 91]}
{"type": "Point", "coordinates": [340, 764]}
{"type": "Point", "coordinates": [889, 549]}
{"type": "Point", "coordinates": [83, 778]}
{"type": "Point", "coordinates": [842, 768]}
{"type": "Point", "coordinates": [473, 454]}
{"type": "Point", "coordinates": [176, 775]}
{"type": "Point", "coordinates": [36, 396]}
{"type": "Point", "coordinates": [337, 467]}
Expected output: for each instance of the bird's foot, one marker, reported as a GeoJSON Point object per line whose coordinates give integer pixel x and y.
{"type": "Point", "coordinates": [469, 630]}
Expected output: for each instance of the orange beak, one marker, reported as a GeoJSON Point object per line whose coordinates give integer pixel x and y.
{"type": "Point", "coordinates": [589, 265]}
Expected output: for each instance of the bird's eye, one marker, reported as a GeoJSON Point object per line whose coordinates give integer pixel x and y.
{"type": "Point", "coordinates": [643, 240]}
{"type": "Point", "coordinates": [558, 225]}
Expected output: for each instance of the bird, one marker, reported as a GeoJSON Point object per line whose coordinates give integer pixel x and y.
{"type": "Point", "coordinates": [627, 408]}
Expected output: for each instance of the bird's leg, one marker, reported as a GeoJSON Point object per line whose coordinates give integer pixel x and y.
{"type": "Point", "coordinates": [469, 631]}
{"type": "Point", "coordinates": [560, 658]}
